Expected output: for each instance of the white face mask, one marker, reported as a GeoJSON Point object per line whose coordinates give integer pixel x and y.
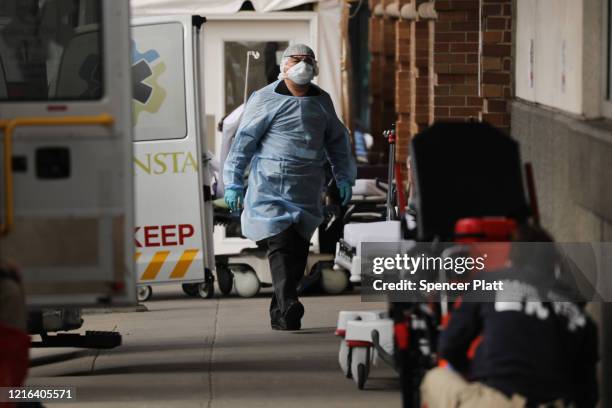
{"type": "Point", "coordinates": [301, 73]}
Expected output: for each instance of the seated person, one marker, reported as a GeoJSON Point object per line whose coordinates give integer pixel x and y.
{"type": "Point", "coordinates": [517, 353]}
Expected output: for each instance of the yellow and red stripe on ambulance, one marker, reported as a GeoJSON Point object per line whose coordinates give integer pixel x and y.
{"type": "Point", "coordinates": [168, 263]}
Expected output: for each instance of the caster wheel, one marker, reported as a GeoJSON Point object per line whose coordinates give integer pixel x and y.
{"type": "Point", "coordinates": [190, 289]}
{"type": "Point", "coordinates": [246, 283]}
{"type": "Point", "coordinates": [225, 279]}
{"type": "Point", "coordinates": [333, 281]}
{"type": "Point", "coordinates": [205, 290]}
{"type": "Point", "coordinates": [344, 358]}
{"type": "Point", "coordinates": [144, 293]}
{"type": "Point", "coordinates": [360, 365]}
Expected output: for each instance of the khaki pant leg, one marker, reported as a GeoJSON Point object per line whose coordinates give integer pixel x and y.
{"type": "Point", "coordinates": [443, 388]}
{"type": "Point", "coordinates": [478, 395]}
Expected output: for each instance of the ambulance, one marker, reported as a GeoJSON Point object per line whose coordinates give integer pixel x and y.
{"type": "Point", "coordinates": [173, 231]}
{"type": "Point", "coordinates": [102, 183]}
{"type": "Point", "coordinates": [66, 179]}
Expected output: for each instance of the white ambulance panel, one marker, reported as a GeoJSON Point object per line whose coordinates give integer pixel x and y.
{"type": "Point", "coordinates": [172, 236]}
{"type": "Point", "coordinates": [66, 204]}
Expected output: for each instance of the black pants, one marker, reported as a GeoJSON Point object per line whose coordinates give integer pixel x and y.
{"type": "Point", "coordinates": [287, 253]}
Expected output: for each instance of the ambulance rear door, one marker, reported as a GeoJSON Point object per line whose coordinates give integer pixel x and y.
{"type": "Point", "coordinates": [172, 235]}
{"type": "Point", "coordinates": [66, 180]}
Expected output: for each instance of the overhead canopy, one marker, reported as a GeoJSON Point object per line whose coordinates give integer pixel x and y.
{"type": "Point", "coordinates": [213, 6]}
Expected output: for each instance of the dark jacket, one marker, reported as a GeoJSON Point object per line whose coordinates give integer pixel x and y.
{"type": "Point", "coordinates": [543, 351]}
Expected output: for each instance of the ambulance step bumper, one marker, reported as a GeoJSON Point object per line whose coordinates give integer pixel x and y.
{"type": "Point", "coordinates": [91, 339]}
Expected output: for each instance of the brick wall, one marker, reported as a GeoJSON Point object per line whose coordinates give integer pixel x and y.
{"type": "Point", "coordinates": [469, 87]}
{"type": "Point", "coordinates": [377, 57]}
{"type": "Point", "coordinates": [456, 60]}
{"type": "Point", "coordinates": [456, 68]}
{"type": "Point", "coordinates": [497, 62]}
{"type": "Point", "coordinates": [388, 71]}
{"type": "Point", "coordinates": [425, 37]}
{"type": "Point", "coordinates": [405, 74]}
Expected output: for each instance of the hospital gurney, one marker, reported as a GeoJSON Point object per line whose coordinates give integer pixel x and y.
{"type": "Point", "coordinates": [488, 201]}
{"type": "Point", "coordinates": [372, 216]}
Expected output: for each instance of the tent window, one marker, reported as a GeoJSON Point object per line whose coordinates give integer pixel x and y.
{"type": "Point", "coordinates": [262, 71]}
{"type": "Point", "coordinates": [50, 50]}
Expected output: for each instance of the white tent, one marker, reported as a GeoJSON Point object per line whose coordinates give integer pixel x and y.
{"type": "Point", "coordinates": [204, 7]}
{"type": "Point", "coordinates": [329, 37]}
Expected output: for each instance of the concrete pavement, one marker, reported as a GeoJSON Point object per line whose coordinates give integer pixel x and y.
{"type": "Point", "coordinates": [217, 353]}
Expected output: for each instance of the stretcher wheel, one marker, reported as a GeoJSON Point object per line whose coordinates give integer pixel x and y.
{"type": "Point", "coordinates": [334, 281]}
{"type": "Point", "coordinates": [144, 293]}
{"type": "Point", "coordinates": [190, 289]}
{"type": "Point", "coordinates": [246, 283]}
{"type": "Point", "coordinates": [344, 358]}
{"type": "Point", "coordinates": [225, 279]}
{"type": "Point", "coordinates": [360, 365]}
{"type": "Point", "coordinates": [205, 290]}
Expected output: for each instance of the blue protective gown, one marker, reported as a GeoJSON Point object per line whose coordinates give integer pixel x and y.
{"type": "Point", "coordinates": [287, 139]}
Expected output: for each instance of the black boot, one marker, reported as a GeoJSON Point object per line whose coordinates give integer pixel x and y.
{"type": "Point", "coordinates": [287, 253]}
{"type": "Point", "coordinates": [292, 318]}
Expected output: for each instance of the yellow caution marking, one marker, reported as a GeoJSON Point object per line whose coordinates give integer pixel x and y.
{"type": "Point", "coordinates": [183, 263]}
{"type": "Point", "coordinates": [155, 265]}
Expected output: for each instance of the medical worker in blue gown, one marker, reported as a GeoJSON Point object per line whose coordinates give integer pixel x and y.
{"type": "Point", "coordinates": [288, 131]}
